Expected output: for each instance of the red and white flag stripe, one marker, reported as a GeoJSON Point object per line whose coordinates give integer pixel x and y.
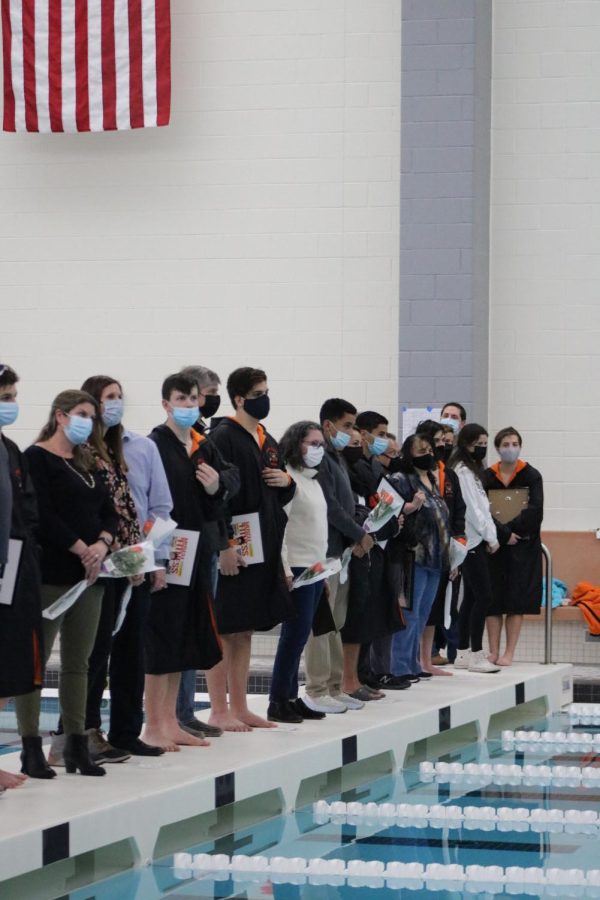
{"type": "Point", "coordinates": [86, 65]}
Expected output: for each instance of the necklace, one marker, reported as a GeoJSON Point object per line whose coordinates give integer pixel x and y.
{"type": "Point", "coordinates": [84, 477]}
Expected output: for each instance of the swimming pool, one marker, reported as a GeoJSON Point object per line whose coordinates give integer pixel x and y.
{"type": "Point", "coordinates": [309, 835]}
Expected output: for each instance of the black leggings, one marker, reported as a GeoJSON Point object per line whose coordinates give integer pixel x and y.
{"type": "Point", "coordinates": [477, 599]}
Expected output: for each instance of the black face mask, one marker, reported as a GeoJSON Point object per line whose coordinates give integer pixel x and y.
{"type": "Point", "coordinates": [258, 407]}
{"type": "Point", "coordinates": [478, 453]}
{"type": "Point", "coordinates": [395, 465]}
{"type": "Point", "coordinates": [352, 455]}
{"type": "Point", "coordinates": [443, 453]}
{"type": "Point", "coordinates": [425, 463]}
{"type": "Point", "coordinates": [211, 404]}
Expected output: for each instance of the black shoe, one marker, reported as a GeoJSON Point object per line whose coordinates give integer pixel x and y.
{"type": "Point", "coordinates": [139, 748]}
{"type": "Point", "coordinates": [414, 679]}
{"type": "Point", "coordinates": [283, 712]}
{"type": "Point", "coordinates": [394, 682]}
{"type": "Point", "coordinates": [370, 680]}
{"type": "Point", "coordinates": [424, 675]}
{"type": "Point", "coordinates": [77, 756]}
{"type": "Point", "coordinates": [305, 711]}
{"type": "Point", "coordinates": [33, 761]}
{"type": "Point", "coordinates": [201, 729]}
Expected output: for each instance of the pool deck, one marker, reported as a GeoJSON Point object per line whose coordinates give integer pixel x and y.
{"type": "Point", "coordinates": [47, 821]}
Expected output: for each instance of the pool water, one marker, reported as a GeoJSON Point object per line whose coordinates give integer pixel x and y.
{"type": "Point", "coordinates": [299, 834]}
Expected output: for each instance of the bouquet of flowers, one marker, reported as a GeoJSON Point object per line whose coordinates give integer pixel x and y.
{"type": "Point", "coordinates": [317, 572]}
{"type": "Point", "coordinates": [389, 504]}
{"type": "Point", "coordinates": [130, 561]}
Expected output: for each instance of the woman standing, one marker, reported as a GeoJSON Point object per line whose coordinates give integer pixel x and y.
{"type": "Point", "coordinates": [467, 459]}
{"type": "Point", "coordinates": [516, 569]}
{"type": "Point", "coordinates": [77, 526]}
{"type": "Point", "coordinates": [20, 619]}
{"type": "Point", "coordinates": [426, 533]}
{"type": "Point", "coordinates": [305, 543]}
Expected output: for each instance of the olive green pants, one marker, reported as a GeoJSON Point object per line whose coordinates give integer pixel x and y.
{"type": "Point", "coordinates": [77, 627]}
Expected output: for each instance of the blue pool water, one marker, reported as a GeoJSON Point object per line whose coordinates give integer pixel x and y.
{"type": "Point", "coordinates": [299, 835]}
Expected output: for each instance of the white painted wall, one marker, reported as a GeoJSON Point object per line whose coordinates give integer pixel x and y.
{"type": "Point", "coordinates": [260, 228]}
{"type": "Point", "coordinates": [545, 264]}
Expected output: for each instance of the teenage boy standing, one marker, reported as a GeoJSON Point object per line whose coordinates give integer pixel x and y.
{"type": "Point", "coordinates": [180, 634]}
{"type": "Point", "coordinates": [251, 597]}
{"type": "Point", "coordinates": [216, 533]}
{"type": "Point", "coordinates": [323, 655]}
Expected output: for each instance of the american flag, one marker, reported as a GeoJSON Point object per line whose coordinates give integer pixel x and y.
{"type": "Point", "coordinates": [86, 65]}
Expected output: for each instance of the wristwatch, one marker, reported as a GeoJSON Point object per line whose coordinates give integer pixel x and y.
{"type": "Point", "coordinates": [106, 541]}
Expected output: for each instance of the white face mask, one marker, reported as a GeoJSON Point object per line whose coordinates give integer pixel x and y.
{"type": "Point", "coordinates": [313, 457]}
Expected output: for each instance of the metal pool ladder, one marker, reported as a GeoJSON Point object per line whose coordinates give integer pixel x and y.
{"type": "Point", "coordinates": [548, 618]}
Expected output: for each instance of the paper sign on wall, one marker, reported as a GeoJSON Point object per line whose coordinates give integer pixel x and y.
{"type": "Point", "coordinates": [412, 417]}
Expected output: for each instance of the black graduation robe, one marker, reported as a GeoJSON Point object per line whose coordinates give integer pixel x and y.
{"type": "Point", "coordinates": [181, 633]}
{"type": "Point", "coordinates": [373, 609]}
{"type": "Point", "coordinates": [257, 598]}
{"type": "Point", "coordinates": [516, 571]}
{"type": "Point", "coordinates": [21, 648]}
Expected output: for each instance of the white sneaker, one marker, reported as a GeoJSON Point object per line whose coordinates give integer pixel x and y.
{"type": "Point", "coordinates": [480, 663]}
{"type": "Point", "coordinates": [463, 659]}
{"type": "Point", "coordinates": [324, 704]}
{"type": "Point", "coordinates": [348, 701]}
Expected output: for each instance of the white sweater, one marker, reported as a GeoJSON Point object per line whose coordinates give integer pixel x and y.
{"type": "Point", "coordinates": [479, 525]}
{"type": "Point", "coordinates": [305, 540]}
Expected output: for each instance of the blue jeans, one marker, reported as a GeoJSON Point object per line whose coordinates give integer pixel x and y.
{"type": "Point", "coordinates": [405, 644]}
{"type": "Point", "coordinates": [292, 639]}
{"type": "Point", "coordinates": [187, 685]}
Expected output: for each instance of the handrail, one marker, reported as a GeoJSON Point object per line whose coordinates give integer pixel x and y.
{"type": "Point", "coordinates": [548, 617]}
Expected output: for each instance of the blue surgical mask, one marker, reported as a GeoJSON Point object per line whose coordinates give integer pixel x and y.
{"type": "Point", "coordinates": [79, 429]}
{"type": "Point", "coordinates": [9, 410]}
{"type": "Point", "coordinates": [340, 440]}
{"type": "Point", "coordinates": [452, 423]}
{"type": "Point", "coordinates": [112, 412]}
{"type": "Point", "coordinates": [379, 446]}
{"type": "Point", "coordinates": [185, 416]}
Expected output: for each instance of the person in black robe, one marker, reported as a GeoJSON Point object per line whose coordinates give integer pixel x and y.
{"type": "Point", "coordinates": [516, 569]}
{"type": "Point", "coordinates": [373, 611]}
{"type": "Point", "coordinates": [180, 632]}
{"type": "Point", "coordinates": [254, 596]}
{"type": "Point", "coordinates": [21, 651]}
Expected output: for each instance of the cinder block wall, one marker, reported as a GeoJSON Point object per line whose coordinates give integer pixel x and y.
{"type": "Point", "coordinates": [545, 257]}
{"type": "Point", "coordinates": [260, 228]}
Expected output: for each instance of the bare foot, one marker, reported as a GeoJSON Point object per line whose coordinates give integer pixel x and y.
{"type": "Point", "coordinates": [179, 736]}
{"type": "Point", "coordinates": [227, 721]}
{"type": "Point", "coordinates": [435, 670]}
{"type": "Point", "coordinates": [158, 739]}
{"type": "Point", "coordinates": [493, 658]}
{"type": "Point", "coordinates": [504, 660]}
{"type": "Point", "coordinates": [254, 721]}
{"type": "Point", "coordinates": [8, 780]}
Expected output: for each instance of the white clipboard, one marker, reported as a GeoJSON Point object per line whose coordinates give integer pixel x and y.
{"type": "Point", "coordinates": [8, 580]}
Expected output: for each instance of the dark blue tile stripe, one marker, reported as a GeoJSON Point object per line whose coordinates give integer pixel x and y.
{"type": "Point", "coordinates": [55, 843]}
{"type": "Point", "coordinates": [349, 750]}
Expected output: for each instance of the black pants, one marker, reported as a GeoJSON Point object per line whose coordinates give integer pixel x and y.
{"type": "Point", "coordinates": [120, 660]}
{"type": "Point", "coordinates": [477, 599]}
